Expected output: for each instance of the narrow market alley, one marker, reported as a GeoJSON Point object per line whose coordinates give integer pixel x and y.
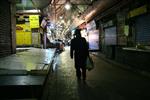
{"type": "Point", "coordinates": [105, 82]}
{"type": "Point", "coordinates": [36, 37]}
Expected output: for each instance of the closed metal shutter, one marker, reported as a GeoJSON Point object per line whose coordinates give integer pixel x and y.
{"type": "Point", "coordinates": [5, 27]}
{"type": "Point", "coordinates": [143, 29]}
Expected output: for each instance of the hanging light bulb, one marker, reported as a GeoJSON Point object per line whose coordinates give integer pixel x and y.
{"type": "Point", "coordinates": [68, 6]}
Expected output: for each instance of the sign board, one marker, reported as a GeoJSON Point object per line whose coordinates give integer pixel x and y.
{"type": "Point", "coordinates": [94, 40]}
{"type": "Point", "coordinates": [138, 11]}
{"type": "Point", "coordinates": [126, 30]}
{"type": "Point", "coordinates": [34, 21]}
{"type": "Point", "coordinates": [91, 25]}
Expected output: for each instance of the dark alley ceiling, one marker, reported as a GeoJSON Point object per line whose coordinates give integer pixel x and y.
{"type": "Point", "coordinates": [81, 9]}
{"type": "Point", "coordinates": [55, 8]}
{"type": "Point", "coordinates": [40, 4]}
{"type": "Point", "coordinates": [31, 4]}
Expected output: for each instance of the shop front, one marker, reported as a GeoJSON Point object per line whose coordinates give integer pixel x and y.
{"type": "Point", "coordinates": [125, 34]}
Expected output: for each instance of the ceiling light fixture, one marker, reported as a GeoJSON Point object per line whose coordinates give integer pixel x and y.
{"type": "Point", "coordinates": [68, 5]}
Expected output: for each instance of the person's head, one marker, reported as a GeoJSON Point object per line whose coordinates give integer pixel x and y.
{"type": "Point", "coordinates": [77, 32]}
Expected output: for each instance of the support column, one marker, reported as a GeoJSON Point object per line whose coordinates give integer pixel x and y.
{"type": "Point", "coordinates": [13, 25]}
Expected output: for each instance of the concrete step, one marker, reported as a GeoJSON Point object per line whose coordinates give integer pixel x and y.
{"type": "Point", "coordinates": [13, 72]}
{"type": "Point", "coordinates": [23, 86]}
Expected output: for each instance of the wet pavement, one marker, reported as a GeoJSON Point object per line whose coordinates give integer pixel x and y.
{"type": "Point", "coordinates": [105, 82]}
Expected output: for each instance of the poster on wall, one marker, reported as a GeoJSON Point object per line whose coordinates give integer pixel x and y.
{"type": "Point", "coordinates": [110, 36]}
{"type": "Point", "coordinates": [34, 21]}
{"type": "Point", "coordinates": [93, 40]}
{"type": "Point", "coordinates": [91, 26]}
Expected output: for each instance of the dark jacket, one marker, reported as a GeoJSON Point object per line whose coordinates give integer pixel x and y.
{"type": "Point", "coordinates": [79, 50]}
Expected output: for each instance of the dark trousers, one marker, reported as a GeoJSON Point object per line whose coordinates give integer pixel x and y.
{"type": "Point", "coordinates": [79, 71]}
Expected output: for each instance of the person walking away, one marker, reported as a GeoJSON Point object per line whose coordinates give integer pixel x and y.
{"type": "Point", "coordinates": [79, 51]}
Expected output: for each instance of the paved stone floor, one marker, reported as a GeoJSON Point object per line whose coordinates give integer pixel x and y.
{"type": "Point", "coordinates": [104, 82]}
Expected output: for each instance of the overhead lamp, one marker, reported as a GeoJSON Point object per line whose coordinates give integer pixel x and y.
{"type": "Point", "coordinates": [68, 5]}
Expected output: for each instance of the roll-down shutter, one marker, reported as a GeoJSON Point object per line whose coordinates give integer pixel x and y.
{"type": "Point", "coordinates": [5, 28]}
{"type": "Point", "coordinates": [142, 27]}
